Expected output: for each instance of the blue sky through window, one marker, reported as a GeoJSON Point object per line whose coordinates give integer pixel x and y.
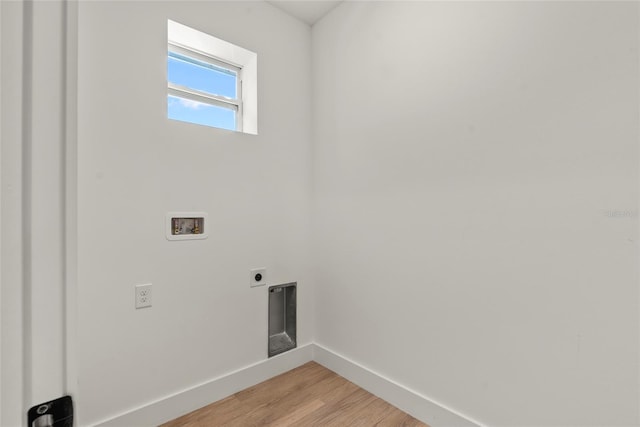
{"type": "Point", "coordinates": [191, 73]}
{"type": "Point", "coordinates": [201, 76]}
{"type": "Point", "coordinates": [199, 113]}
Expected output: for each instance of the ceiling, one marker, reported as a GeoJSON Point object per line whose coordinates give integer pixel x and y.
{"type": "Point", "coordinates": [309, 11]}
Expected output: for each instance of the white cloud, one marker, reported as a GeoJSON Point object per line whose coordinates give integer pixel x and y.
{"type": "Point", "coordinates": [194, 105]}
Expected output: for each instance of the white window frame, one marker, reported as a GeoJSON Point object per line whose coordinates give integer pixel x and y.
{"type": "Point", "coordinates": [215, 49]}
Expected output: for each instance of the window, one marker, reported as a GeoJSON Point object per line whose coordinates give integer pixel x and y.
{"type": "Point", "coordinates": [210, 81]}
{"type": "Point", "coordinates": [203, 90]}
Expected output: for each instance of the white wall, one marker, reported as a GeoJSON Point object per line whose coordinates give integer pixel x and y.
{"type": "Point", "coordinates": [467, 158]}
{"type": "Point", "coordinates": [134, 166]}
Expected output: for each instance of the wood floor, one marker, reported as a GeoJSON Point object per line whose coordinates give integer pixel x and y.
{"type": "Point", "coordinates": [310, 395]}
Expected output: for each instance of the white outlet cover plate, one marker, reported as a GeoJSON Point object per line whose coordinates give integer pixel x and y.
{"type": "Point", "coordinates": [143, 295]}
{"type": "Point", "coordinates": [252, 277]}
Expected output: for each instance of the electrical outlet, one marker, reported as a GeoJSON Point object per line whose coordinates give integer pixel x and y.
{"type": "Point", "coordinates": [143, 295]}
{"type": "Point", "coordinates": [257, 277]}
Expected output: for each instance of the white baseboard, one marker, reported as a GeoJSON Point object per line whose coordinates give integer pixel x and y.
{"type": "Point", "coordinates": [188, 400]}
{"type": "Point", "coordinates": [183, 402]}
{"type": "Point", "coordinates": [420, 407]}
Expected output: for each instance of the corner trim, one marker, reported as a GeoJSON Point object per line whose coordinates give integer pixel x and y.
{"type": "Point", "coordinates": [175, 405]}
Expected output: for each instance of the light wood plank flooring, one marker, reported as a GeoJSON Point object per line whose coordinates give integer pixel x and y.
{"type": "Point", "coordinates": [309, 395]}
